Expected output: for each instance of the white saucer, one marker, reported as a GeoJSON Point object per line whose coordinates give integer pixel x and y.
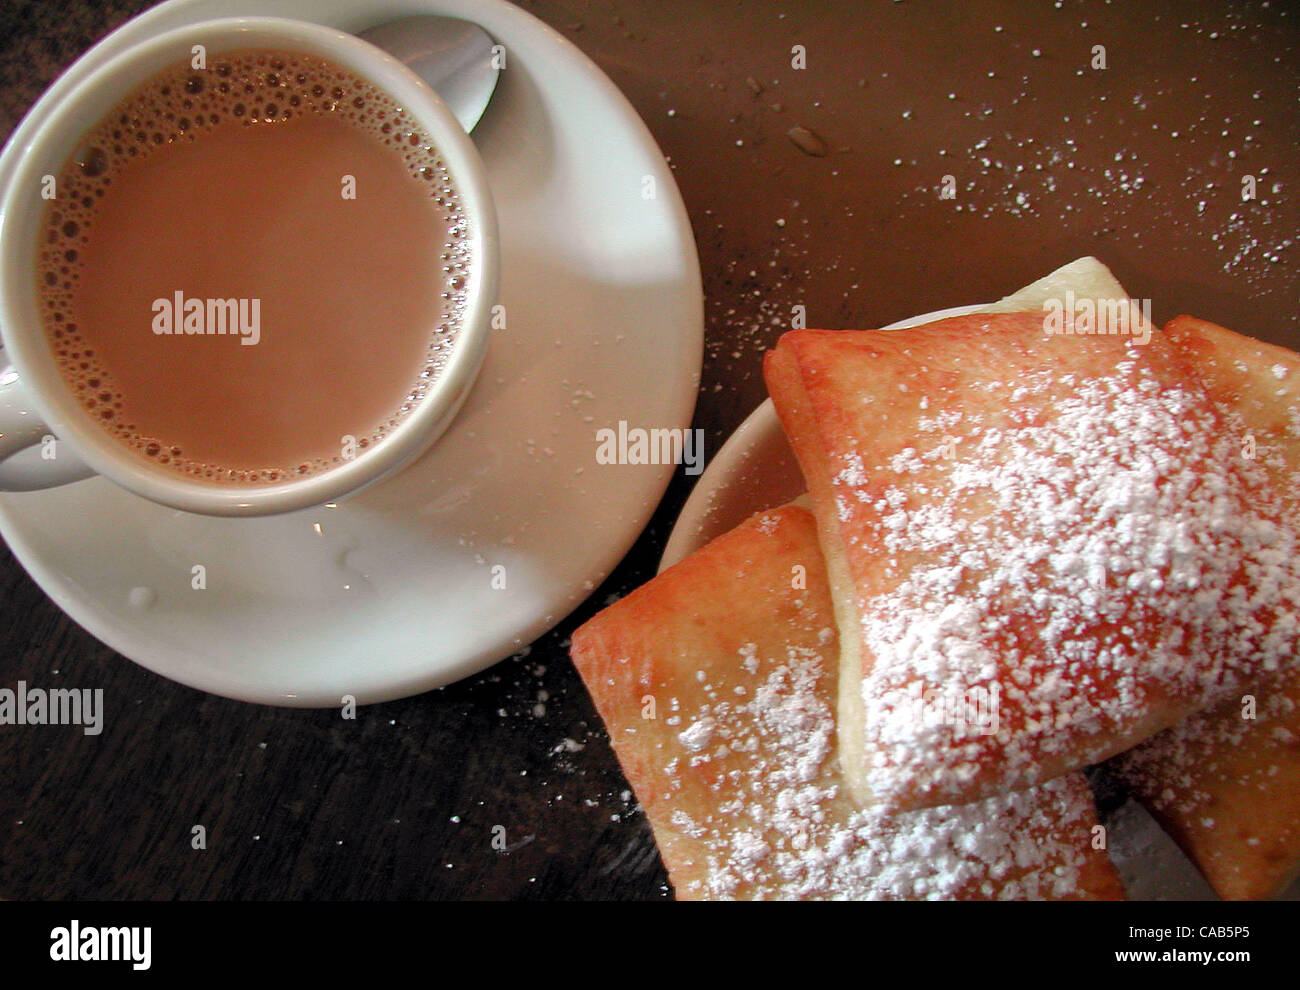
{"type": "Point", "coordinates": [392, 592]}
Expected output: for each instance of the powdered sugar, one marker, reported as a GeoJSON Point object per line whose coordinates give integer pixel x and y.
{"type": "Point", "coordinates": [1094, 552]}
{"type": "Point", "coordinates": [698, 735]}
{"type": "Point", "coordinates": [801, 838]}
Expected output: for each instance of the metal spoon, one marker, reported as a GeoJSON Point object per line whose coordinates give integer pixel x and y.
{"type": "Point", "coordinates": [453, 56]}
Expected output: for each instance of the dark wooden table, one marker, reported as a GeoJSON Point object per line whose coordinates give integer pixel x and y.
{"type": "Point", "coordinates": [1141, 163]}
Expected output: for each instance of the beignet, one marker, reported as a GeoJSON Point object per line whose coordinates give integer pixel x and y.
{"type": "Point", "coordinates": [1225, 782]}
{"type": "Point", "coordinates": [716, 681]}
{"type": "Point", "coordinates": [1050, 532]}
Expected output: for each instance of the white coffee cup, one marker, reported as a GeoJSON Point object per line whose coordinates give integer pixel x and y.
{"type": "Point", "coordinates": [35, 401]}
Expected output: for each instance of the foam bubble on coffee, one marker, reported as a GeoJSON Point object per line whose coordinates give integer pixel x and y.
{"type": "Point", "coordinates": [248, 89]}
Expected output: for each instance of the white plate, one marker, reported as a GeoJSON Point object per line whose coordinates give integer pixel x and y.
{"type": "Point", "coordinates": [757, 470]}
{"type": "Point", "coordinates": [391, 592]}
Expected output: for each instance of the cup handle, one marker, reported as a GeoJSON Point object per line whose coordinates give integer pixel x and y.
{"type": "Point", "coordinates": [21, 427]}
